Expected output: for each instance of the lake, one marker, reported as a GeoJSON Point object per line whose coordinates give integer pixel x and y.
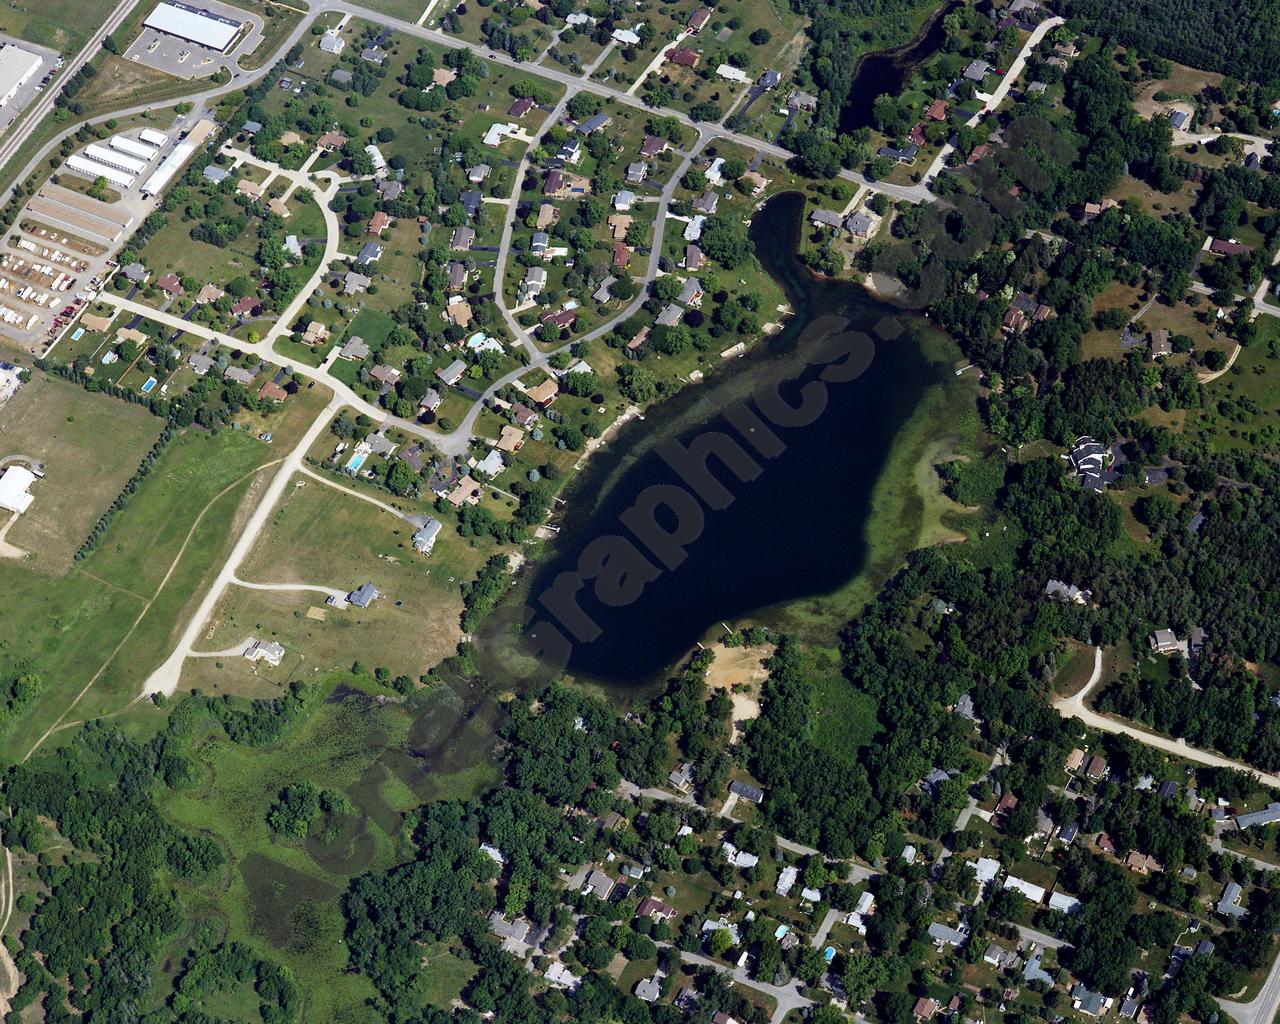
{"type": "Point", "coordinates": [889, 71]}
{"type": "Point", "coordinates": [795, 530]}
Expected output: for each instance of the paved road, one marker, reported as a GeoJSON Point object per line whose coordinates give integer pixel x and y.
{"type": "Point", "coordinates": [998, 94]}
{"type": "Point", "coordinates": [1042, 938]}
{"type": "Point", "coordinates": [1078, 707]}
{"type": "Point", "coordinates": [165, 678]}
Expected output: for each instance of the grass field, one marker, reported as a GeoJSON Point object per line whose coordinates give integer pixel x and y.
{"type": "Point", "coordinates": [64, 25]}
{"type": "Point", "coordinates": [323, 536]}
{"type": "Point", "coordinates": [62, 425]}
{"type": "Point", "coordinates": [844, 719]}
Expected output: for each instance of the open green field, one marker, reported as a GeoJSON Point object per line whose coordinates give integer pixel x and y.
{"type": "Point", "coordinates": [64, 25]}
{"type": "Point", "coordinates": [844, 718]}
{"type": "Point", "coordinates": [326, 537]}
{"type": "Point", "coordinates": [95, 633]}
{"type": "Point", "coordinates": [62, 426]}
{"type": "Point", "coordinates": [1242, 407]}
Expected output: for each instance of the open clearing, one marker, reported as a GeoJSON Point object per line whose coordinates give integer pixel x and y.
{"type": "Point", "coordinates": [62, 426]}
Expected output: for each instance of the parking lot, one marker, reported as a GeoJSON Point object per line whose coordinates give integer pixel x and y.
{"type": "Point", "coordinates": [184, 59]}
{"type": "Point", "coordinates": [43, 78]}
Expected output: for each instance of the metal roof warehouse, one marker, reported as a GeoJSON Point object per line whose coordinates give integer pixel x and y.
{"type": "Point", "coordinates": [204, 28]}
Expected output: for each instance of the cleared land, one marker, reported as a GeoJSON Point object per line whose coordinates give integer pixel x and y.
{"type": "Point", "coordinates": [62, 426]}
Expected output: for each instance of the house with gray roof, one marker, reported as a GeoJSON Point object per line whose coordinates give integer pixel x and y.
{"type": "Point", "coordinates": [1254, 819]}
{"type": "Point", "coordinates": [945, 935]}
{"type": "Point", "coordinates": [1229, 903]}
{"type": "Point", "coordinates": [424, 538]}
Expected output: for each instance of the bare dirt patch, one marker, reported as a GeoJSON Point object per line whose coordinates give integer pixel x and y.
{"type": "Point", "coordinates": [740, 672]}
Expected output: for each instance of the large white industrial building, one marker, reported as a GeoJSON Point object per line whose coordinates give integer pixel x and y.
{"type": "Point", "coordinates": [112, 158]}
{"type": "Point", "coordinates": [194, 25]}
{"type": "Point", "coordinates": [132, 148]}
{"type": "Point", "coordinates": [172, 164]}
{"type": "Point", "coordinates": [17, 66]}
{"type": "Point", "coordinates": [153, 138]}
{"type": "Point", "coordinates": [13, 489]}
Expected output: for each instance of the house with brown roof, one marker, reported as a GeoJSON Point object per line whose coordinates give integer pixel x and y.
{"type": "Point", "coordinates": [209, 293]}
{"type": "Point", "coordinates": [655, 910]}
{"type": "Point", "coordinates": [621, 254]}
{"type": "Point", "coordinates": [246, 306]}
{"type": "Point", "coordinates": [315, 334]}
{"type": "Point", "coordinates": [618, 225]}
{"type": "Point", "coordinates": [545, 393]}
{"type": "Point", "coordinates": [1096, 769]}
{"type": "Point", "coordinates": [245, 187]}
{"type": "Point", "coordinates": [925, 1009]}
{"type": "Point", "coordinates": [1229, 247]}
{"type": "Point", "coordinates": [331, 140]}
{"type": "Point", "coordinates": [936, 111]}
{"type": "Point", "coordinates": [653, 145]}
{"type": "Point", "coordinates": [520, 107]}
{"type": "Point", "coordinates": [698, 20]}
{"type": "Point", "coordinates": [511, 439]}
{"type": "Point", "coordinates": [560, 318]}
{"type": "Point", "coordinates": [468, 492]}
{"type": "Point", "coordinates": [458, 313]}
{"type": "Point", "coordinates": [170, 283]}
{"type": "Point", "coordinates": [272, 392]}
{"type": "Point", "coordinates": [378, 223]}
{"type": "Point", "coordinates": [684, 56]}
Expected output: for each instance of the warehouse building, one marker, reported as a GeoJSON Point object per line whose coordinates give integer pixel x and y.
{"type": "Point", "coordinates": [153, 138]}
{"type": "Point", "coordinates": [132, 148]}
{"type": "Point", "coordinates": [17, 67]}
{"type": "Point", "coordinates": [173, 163]}
{"type": "Point", "coordinates": [103, 155]}
{"type": "Point", "coordinates": [194, 25]}
{"type": "Point", "coordinates": [93, 170]}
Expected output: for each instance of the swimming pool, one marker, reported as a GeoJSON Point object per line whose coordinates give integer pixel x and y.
{"type": "Point", "coordinates": [356, 462]}
{"type": "Point", "coordinates": [146, 388]}
{"type": "Point", "coordinates": [77, 334]}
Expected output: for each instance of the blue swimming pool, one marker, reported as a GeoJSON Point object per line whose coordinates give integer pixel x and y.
{"type": "Point", "coordinates": [146, 388]}
{"type": "Point", "coordinates": [356, 462]}
{"type": "Point", "coordinates": [77, 334]}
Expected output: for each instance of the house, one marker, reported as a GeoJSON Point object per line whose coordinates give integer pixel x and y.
{"type": "Point", "coordinates": [1160, 343]}
{"type": "Point", "coordinates": [595, 123]}
{"type": "Point", "coordinates": [936, 111]}
{"type": "Point", "coordinates": [1072, 594]}
{"type": "Point", "coordinates": [649, 989]}
{"type": "Point", "coordinates": [999, 957]}
{"type": "Point", "coordinates": [985, 868]}
{"type": "Point", "coordinates": [1180, 119]}
{"type": "Point", "coordinates": [559, 976]}
{"type": "Point", "coordinates": [693, 258]}
{"type": "Point", "coordinates": [925, 1009]}
{"type": "Point", "coordinates": [430, 401]}
{"type": "Point", "coordinates": [379, 161]}
{"type": "Point", "coordinates": [378, 223]}
{"type": "Point", "coordinates": [561, 318]}
{"type": "Point", "coordinates": [458, 313]}
{"type": "Point", "coordinates": [1033, 971]}
{"type": "Point", "coordinates": [653, 145]}
{"type": "Point", "coordinates": [770, 80]}
{"type": "Point", "coordinates": [976, 154]}
{"type": "Point", "coordinates": [467, 492]}
{"type": "Point", "coordinates": [905, 155]}
{"type": "Point", "coordinates": [826, 218]}
{"type": "Point", "coordinates": [691, 294]}
{"type": "Point", "coordinates": [545, 393]}
{"type": "Point", "coordinates": [462, 239]}
{"type": "Point", "coordinates": [136, 273]}
{"type": "Point", "coordinates": [478, 173]}
{"type": "Point", "coordinates": [732, 74]}
{"type": "Point", "coordinates": [520, 107]}
{"type": "Point", "coordinates": [1266, 816]}
{"type": "Point", "coordinates": [264, 650]}
{"type": "Point", "coordinates": [707, 202]}
{"type": "Point", "coordinates": [570, 152]}
{"type": "Point", "coordinates": [354, 283]}
{"type": "Point", "coordinates": [354, 348]}
{"type": "Point", "coordinates": [1142, 863]}
{"type": "Point", "coordinates": [209, 293]}
{"type": "Point", "coordinates": [516, 931]}
{"type": "Point", "coordinates": [364, 595]}
{"type": "Point", "coordinates": [315, 334]}
{"type": "Point", "coordinates": [171, 284]}
{"type": "Point", "coordinates": [786, 879]}
{"type": "Point", "coordinates": [330, 141]}
{"type": "Point", "coordinates": [1229, 903]}
{"type": "Point", "coordinates": [693, 230]}
{"type": "Point", "coordinates": [738, 858]}
{"type": "Point", "coordinates": [625, 37]}
{"type": "Point", "coordinates": [684, 56]}
{"type": "Point", "coordinates": [246, 306]}
{"type": "Point", "coordinates": [602, 294]}
{"type": "Point", "coordinates": [535, 279]}
{"type": "Point", "coordinates": [624, 200]}
{"type": "Point", "coordinates": [452, 373]}
{"type": "Point", "coordinates": [548, 215]}
{"type": "Point", "coordinates": [523, 415]}
{"type": "Point", "coordinates": [698, 20]}
{"type": "Point", "coordinates": [681, 777]}
{"type": "Point", "coordinates": [944, 935]}
{"type": "Point", "coordinates": [1096, 769]}
{"type": "Point", "coordinates": [215, 174]}
{"type": "Point", "coordinates": [1087, 1001]}
{"type": "Point", "coordinates": [1091, 461]}
{"type": "Point", "coordinates": [1164, 641]}
{"type": "Point", "coordinates": [619, 224]}
{"type": "Point", "coordinates": [333, 43]}
{"type": "Point", "coordinates": [860, 224]}
{"type": "Point", "coordinates": [637, 172]}
{"type": "Point", "coordinates": [491, 465]}
{"type": "Point", "coordinates": [1035, 893]}
{"type": "Point", "coordinates": [457, 272]}
{"type": "Point", "coordinates": [374, 55]}
{"type": "Point", "coordinates": [655, 910]}
{"type": "Point", "coordinates": [251, 127]}
{"type": "Point", "coordinates": [977, 71]}
{"type": "Point", "coordinates": [671, 314]}
{"type": "Point", "coordinates": [238, 374]}
{"type": "Point", "coordinates": [1229, 247]}
{"type": "Point", "coordinates": [802, 101]}
{"type": "Point", "coordinates": [388, 376]}
{"type": "Point", "coordinates": [511, 439]}
{"type": "Point", "coordinates": [598, 884]}
{"type": "Point", "coordinates": [498, 132]}
{"type": "Point", "coordinates": [746, 792]}
{"type": "Point", "coordinates": [1006, 804]}
{"type": "Point", "coordinates": [369, 253]}
{"type": "Point", "coordinates": [539, 243]}
{"type": "Point", "coordinates": [272, 392]}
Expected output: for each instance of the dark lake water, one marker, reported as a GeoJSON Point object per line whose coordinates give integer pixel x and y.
{"type": "Point", "coordinates": [794, 530]}
{"type": "Point", "coordinates": [888, 71]}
